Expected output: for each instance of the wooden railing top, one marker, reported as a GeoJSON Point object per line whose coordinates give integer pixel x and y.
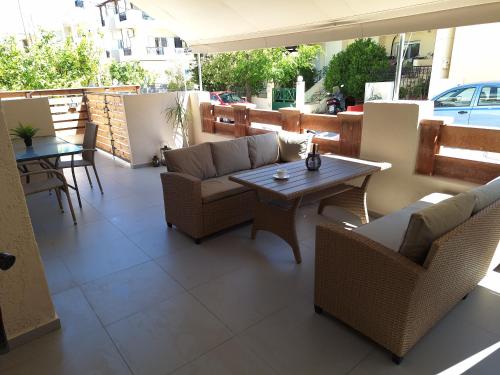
{"type": "Point", "coordinates": [68, 91]}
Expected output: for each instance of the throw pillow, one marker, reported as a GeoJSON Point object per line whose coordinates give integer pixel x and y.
{"type": "Point", "coordinates": [263, 149]}
{"type": "Point", "coordinates": [430, 223]}
{"type": "Point", "coordinates": [231, 156]}
{"type": "Point", "coordinates": [293, 146]}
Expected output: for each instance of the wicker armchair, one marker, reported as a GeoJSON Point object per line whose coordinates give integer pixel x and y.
{"type": "Point", "coordinates": [391, 299]}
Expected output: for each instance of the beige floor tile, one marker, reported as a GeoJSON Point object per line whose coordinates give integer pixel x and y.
{"type": "Point", "coordinates": [231, 358]}
{"type": "Point", "coordinates": [295, 340]}
{"type": "Point", "coordinates": [163, 338]}
{"type": "Point", "coordinates": [126, 292]}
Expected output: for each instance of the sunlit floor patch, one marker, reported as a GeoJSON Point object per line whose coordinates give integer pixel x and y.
{"type": "Point", "coordinates": [473, 360]}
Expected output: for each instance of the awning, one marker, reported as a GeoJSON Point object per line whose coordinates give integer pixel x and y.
{"type": "Point", "coordinates": [228, 25]}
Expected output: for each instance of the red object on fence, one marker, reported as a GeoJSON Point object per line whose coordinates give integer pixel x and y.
{"type": "Point", "coordinates": [355, 108]}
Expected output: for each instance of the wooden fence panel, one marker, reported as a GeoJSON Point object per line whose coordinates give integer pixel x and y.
{"type": "Point", "coordinates": [434, 134]}
{"type": "Point", "coordinates": [264, 117]}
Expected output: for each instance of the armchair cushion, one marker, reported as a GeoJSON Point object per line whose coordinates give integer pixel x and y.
{"type": "Point", "coordinates": [195, 161]}
{"type": "Point", "coordinates": [263, 149]}
{"type": "Point", "coordinates": [217, 188]}
{"type": "Point", "coordinates": [293, 146]}
{"type": "Point", "coordinates": [390, 230]}
{"type": "Point", "coordinates": [430, 223]}
{"type": "Point", "coordinates": [231, 156]}
{"type": "Point", "coordinates": [486, 194]}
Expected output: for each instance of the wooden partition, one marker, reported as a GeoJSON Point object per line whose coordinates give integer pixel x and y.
{"type": "Point", "coordinates": [107, 111]}
{"type": "Point", "coordinates": [430, 161]}
{"type": "Point", "coordinates": [69, 107]}
{"type": "Point", "coordinates": [347, 126]}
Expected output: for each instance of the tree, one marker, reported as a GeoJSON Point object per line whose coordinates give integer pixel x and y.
{"type": "Point", "coordinates": [49, 63]}
{"type": "Point", "coordinates": [362, 61]}
{"type": "Point", "coordinates": [248, 71]}
{"type": "Point", "coordinates": [130, 73]}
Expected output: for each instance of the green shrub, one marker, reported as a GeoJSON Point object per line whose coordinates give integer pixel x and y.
{"type": "Point", "coordinates": [362, 61]}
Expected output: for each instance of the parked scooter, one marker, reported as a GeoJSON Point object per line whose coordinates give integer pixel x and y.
{"type": "Point", "coordinates": [336, 102]}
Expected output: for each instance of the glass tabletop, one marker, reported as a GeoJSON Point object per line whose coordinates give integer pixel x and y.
{"type": "Point", "coordinates": [44, 148]}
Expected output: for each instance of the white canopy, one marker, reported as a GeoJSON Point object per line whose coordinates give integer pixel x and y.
{"type": "Point", "coordinates": [228, 25]}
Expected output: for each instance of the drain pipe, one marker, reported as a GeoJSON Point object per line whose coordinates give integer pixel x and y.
{"type": "Point", "coordinates": [399, 66]}
{"type": "Point", "coordinates": [6, 262]}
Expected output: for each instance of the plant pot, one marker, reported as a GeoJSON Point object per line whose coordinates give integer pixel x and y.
{"type": "Point", "coordinates": [28, 142]}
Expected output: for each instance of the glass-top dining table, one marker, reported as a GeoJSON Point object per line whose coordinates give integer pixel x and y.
{"type": "Point", "coordinates": [47, 148]}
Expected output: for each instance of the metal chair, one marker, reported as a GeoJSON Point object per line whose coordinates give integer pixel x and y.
{"type": "Point", "coordinates": [88, 158]}
{"type": "Point", "coordinates": [55, 181]}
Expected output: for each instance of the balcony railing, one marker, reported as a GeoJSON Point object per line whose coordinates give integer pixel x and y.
{"type": "Point", "coordinates": [127, 51]}
{"type": "Point", "coordinates": [122, 16]}
{"type": "Point", "coordinates": [345, 128]}
{"type": "Point", "coordinates": [155, 50]}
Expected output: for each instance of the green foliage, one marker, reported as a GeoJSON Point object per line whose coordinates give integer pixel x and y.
{"type": "Point", "coordinates": [24, 131]}
{"type": "Point", "coordinates": [177, 80]}
{"type": "Point", "coordinates": [130, 73]}
{"type": "Point", "coordinates": [362, 61]}
{"type": "Point", "coordinates": [250, 70]}
{"type": "Point", "coordinates": [48, 63]}
{"type": "Point", "coordinates": [179, 117]}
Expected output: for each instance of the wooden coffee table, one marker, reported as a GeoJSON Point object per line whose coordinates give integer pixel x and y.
{"type": "Point", "coordinates": [278, 200]}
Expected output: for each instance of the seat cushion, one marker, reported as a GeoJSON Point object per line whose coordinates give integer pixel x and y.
{"type": "Point", "coordinates": [430, 223]}
{"type": "Point", "coordinates": [231, 156]}
{"type": "Point", "coordinates": [389, 230]}
{"type": "Point", "coordinates": [195, 161]}
{"type": "Point", "coordinates": [293, 146]}
{"type": "Point", "coordinates": [486, 194]}
{"type": "Point", "coordinates": [217, 188]}
{"type": "Point", "coordinates": [263, 149]}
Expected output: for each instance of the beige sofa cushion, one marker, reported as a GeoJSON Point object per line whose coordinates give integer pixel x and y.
{"type": "Point", "coordinates": [263, 149]}
{"type": "Point", "coordinates": [486, 194]}
{"type": "Point", "coordinates": [430, 223]}
{"type": "Point", "coordinates": [389, 230]}
{"type": "Point", "coordinates": [217, 188]}
{"type": "Point", "coordinates": [231, 156]}
{"type": "Point", "coordinates": [195, 161]}
{"type": "Point", "coordinates": [293, 146]}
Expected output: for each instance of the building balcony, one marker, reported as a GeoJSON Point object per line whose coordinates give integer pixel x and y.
{"type": "Point", "coordinates": [158, 51]}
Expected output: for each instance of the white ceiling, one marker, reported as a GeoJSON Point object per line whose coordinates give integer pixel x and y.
{"type": "Point", "coordinates": [223, 25]}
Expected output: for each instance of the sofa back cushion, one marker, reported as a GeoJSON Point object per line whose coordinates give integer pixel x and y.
{"type": "Point", "coordinates": [486, 195]}
{"type": "Point", "coordinates": [263, 149]}
{"type": "Point", "coordinates": [231, 156]}
{"type": "Point", "coordinates": [430, 223]}
{"type": "Point", "coordinates": [293, 146]}
{"type": "Point", "coordinates": [195, 161]}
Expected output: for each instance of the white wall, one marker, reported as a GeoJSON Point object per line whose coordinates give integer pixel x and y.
{"type": "Point", "coordinates": [147, 129]}
{"type": "Point", "coordinates": [24, 295]}
{"type": "Point", "coordinates": [34, 112]}
{"type": "Point", "coordinates": [390, 134]}
{"type": "Point", "coordinates": [476, 55]}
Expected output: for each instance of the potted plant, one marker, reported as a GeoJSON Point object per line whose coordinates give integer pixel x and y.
{"type": "Point", "coordinates": [179, 118]}
{"type": "Point", "coordinates": [26, 132]}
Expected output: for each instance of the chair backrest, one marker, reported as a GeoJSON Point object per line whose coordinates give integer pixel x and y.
{"type": "Point", "coordinates": [89, 141]}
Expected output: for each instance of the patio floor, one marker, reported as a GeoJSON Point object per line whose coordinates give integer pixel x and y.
{"type": "Point", "coordinates": [136, 297]}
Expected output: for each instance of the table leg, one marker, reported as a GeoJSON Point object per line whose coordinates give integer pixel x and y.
{"type": "Point", "coordinates": [280, 220]}
{"type": "Point", "coordinates": [353, 200]}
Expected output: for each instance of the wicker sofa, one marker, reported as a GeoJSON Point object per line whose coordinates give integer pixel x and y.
{"type": "Point", "coordinates": [364, 280]}
{"type": "Point", "coordinates": [200, 199]}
